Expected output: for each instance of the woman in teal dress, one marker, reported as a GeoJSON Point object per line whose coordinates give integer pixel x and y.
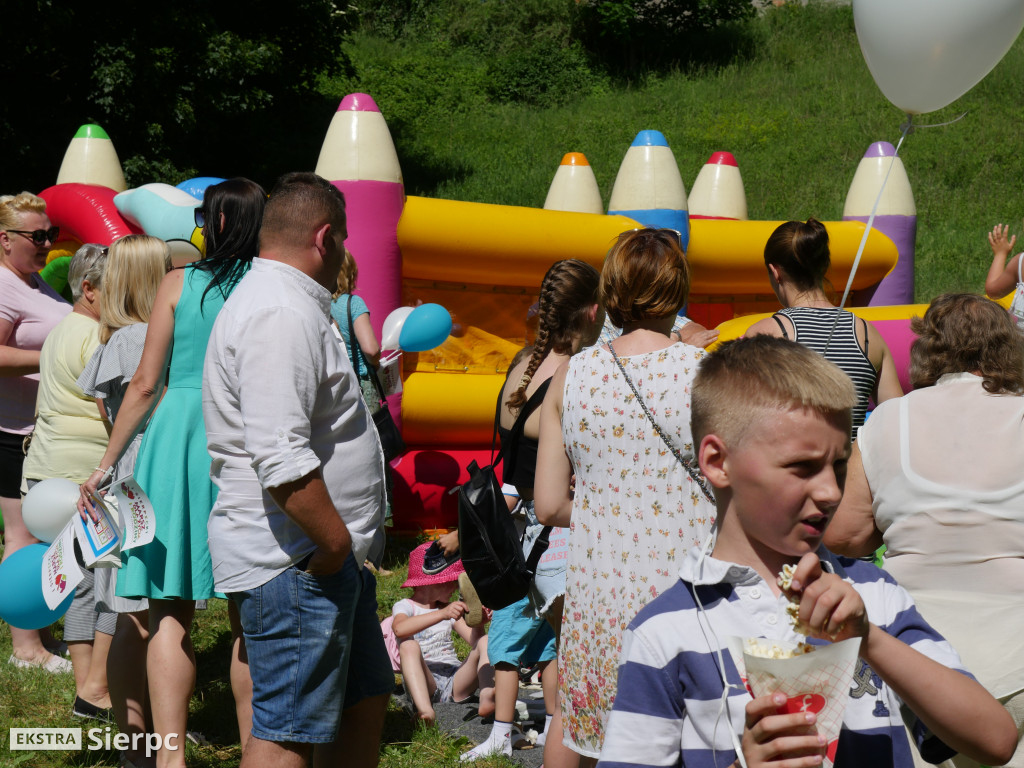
{"type": "Point", "coordinates": [173, 466]}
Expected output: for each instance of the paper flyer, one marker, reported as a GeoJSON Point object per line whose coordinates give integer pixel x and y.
{"type": "Point", "coordinates": [99, 540]}
{"type": "Point", "coordinates": [390, 373]}
{"type": "Point", "coordinates": [137, 516]}
{"type": "Point", "coordinates": [61, 573]}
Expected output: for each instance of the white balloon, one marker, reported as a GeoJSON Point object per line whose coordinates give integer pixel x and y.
{"type": "Point", "coordinates": [393, 327]}
{"type": "Point", "coordinates": [925, 54]}
{"type": "Point", "coordinates": [48, 506]}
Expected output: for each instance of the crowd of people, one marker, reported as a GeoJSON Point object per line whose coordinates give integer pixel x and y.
{"type": "Point", "coordinates": [672, 486]}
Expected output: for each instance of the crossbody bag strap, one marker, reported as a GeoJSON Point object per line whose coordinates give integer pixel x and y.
{"type": "Point", "coordinates": [695, 474]}
{"type": "Point", "coordinates": [357, 355]}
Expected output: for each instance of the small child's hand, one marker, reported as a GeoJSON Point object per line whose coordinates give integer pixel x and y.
{"type": "Point", "coordinates": [769, 736]}
{"type": "Point", "coordinates": [829, 607]}
{"type": "Point", "coordinates": [1001, 246]}
{"type": "Point", "coordinates": [454, 610]}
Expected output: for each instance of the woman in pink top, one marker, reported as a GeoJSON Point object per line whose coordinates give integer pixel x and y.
{"type": "Point", "coordinates": [29, 309]}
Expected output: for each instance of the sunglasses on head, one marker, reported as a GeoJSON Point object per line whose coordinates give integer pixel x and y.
{"type": "Point", "coordinates": [39, 236]}
{"type": "Point", "coordinates": [673, 234]}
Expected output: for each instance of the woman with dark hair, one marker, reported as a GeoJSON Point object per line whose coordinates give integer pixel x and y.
{"type": "Point", "coordinates": [173, 465]}
{"type": "Point", "coordinates": [798, 259]}
{"type": "Point", "coordinates": [608, 419]}
{"type": "Point", "coordinates": [936, 477]}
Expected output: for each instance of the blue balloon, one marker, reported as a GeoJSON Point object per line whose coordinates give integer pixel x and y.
{"type": "Point", "coordinates": [21, 590]}
{"type": "Point", "coordinates": [197, 186]}
{"type": "Point", "coordinates": [426, 327]}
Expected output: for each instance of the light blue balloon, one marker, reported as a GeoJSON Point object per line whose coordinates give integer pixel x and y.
{"type": "Point", "coordinates": [426, 327]}
{"type": "Point", "coordinates": [21, 590]}
{"type": "Point", "coordinates": [197, 186]}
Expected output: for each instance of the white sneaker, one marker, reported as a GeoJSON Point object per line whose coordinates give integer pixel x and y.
{"type": "Point", "coordinates": [487, 748]}
{"type": "Point", "coordinates": [55, 665]}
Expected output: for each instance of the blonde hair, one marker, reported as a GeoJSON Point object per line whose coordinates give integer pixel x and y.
{"type": "Point", "coordinates": [135, 267]}
{"type": "Point", "coordinates": [13, 207]}
{"type": "Point", "coordinates": [347, 276]}
{"type": "Point", "coordinates": [767, 373]}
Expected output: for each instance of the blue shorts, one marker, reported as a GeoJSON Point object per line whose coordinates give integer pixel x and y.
{"type": "Point", "coordinates": [517, 636]}
{"type": "Point", "coordinates": [298, 636]}
{"type": "Point", "coordinates": [369, 667]}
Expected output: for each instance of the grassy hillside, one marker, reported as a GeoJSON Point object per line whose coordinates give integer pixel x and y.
{"type": "Point", "coordinates": [790, 97]}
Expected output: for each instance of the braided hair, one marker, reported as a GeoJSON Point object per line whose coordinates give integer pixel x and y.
{"type": "Point", "coordinates": [567, 293]}
{"type": "Point", "coordinates": [800, 249]}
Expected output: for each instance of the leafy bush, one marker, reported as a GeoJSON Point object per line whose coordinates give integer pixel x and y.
{"type": "Point", "coordinates": [633, 36]}
{"type": "Point", "coordinates": [543, 74]}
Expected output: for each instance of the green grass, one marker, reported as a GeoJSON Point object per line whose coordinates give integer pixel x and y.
{"type": "Point", "coordinates": [794, 103]}
{"type": "Point", "coordinates": [36, 699]}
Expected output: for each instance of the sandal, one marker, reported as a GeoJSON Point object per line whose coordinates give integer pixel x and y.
{"type": "Point", "coordinates": [474, 609]}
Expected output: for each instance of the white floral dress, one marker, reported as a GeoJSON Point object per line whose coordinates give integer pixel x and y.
{"type": "Point", "coordinates": [635, 514]}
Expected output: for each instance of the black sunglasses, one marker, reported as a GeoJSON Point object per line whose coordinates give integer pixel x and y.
{"type": "Point", "coordinates": [200, 217]}
{"type": "Point", "coordinates": [39, 236]}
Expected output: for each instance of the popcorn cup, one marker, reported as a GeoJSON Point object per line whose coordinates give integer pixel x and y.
{"type": "Point", "coordinates": [816, 682]}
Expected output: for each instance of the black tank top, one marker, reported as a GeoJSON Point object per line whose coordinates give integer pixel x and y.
{"type": "Point", "coordinates": [519, 452]}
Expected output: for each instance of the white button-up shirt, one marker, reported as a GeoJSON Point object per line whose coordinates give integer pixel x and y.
{"type": "Point", "coordinates": [280, 399]}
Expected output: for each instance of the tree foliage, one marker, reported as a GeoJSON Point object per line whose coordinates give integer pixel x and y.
{"type": "Point", "coordinates": [217, 88]}
{"type": "Point", "coordinates": [634, 36]}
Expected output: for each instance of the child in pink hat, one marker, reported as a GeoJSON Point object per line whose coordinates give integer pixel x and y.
{"type": "Point", "coordinates": [423, 625]}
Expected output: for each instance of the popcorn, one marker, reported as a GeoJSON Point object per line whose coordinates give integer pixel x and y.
{"type": "Point", "coordinates": [785, 579]}
{"type": "Point", "coordinates": [785, 582]}
{"type": "Point", "coordinates": [766, 649]}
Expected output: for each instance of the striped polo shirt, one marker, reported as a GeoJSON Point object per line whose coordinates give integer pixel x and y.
{"type": "Point", "coordinates": [669, 712]}
{"type": "Point", "coordinates": [814, 327]}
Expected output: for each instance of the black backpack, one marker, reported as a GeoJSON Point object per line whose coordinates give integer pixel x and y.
{"type": "Point", "coordinates": [490, 546]}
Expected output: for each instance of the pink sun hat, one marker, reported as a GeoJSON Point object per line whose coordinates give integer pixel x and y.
{"type": "Point", "coordinates": [417, 578]}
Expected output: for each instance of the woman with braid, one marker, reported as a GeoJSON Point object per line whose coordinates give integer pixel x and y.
{"type": "Point", "coordinates": [569, 318]}
{"type": "Point", "coordinates": [609, 418]}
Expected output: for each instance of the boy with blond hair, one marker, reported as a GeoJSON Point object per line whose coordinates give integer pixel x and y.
{"type": "Point", "coordinates": [772, 421]}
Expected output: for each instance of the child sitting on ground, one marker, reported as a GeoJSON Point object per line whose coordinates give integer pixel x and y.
{"type": "Point", "coordinates": [423, 625]}
{"type": "Point", "coordinates": [772, 422]}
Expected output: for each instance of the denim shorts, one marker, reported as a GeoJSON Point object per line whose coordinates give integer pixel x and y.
{"type": "Point", "coordinates": [549, 581]}
{"type": "Point", "coordinates": [516, 636]}
{"type": "Point", "coordinates": [369, 668]}
{"type": "Point", "coordinates": [298, 635]}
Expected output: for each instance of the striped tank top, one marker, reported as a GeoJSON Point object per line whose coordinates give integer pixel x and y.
{"type": "Point", "coordinates": [813, 326]}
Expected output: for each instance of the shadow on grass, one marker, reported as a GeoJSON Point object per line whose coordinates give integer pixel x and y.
{"type": "Point", "coordinates": [212, 711]}
{"type": "Point", "coordinates": [423, 169]}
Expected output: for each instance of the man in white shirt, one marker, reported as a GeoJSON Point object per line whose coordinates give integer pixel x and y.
{"type": "Point", "coordinates": [300, 475]}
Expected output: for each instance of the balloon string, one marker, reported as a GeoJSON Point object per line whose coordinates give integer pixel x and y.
{"type": "Point", "coordinates": [911, 128]}
{"type": "Point", "coordinates": [906, 128]}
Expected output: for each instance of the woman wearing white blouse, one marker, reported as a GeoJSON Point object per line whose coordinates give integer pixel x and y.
{"type": "Point", "coordinates": [936, 477]}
